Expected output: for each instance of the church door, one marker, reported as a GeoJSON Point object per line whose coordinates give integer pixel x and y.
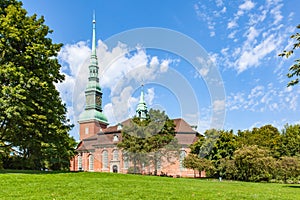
{"type": "Point", "coordinates": [115, 169]}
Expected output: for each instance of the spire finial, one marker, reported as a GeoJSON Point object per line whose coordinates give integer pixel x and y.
{"type": "Point", "coordinates": [142, 100]}
{"type": "Point", "coordinates": [94, 36]}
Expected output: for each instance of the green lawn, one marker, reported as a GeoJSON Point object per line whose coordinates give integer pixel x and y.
{"type": "Point", "coordinates": [84, 185]}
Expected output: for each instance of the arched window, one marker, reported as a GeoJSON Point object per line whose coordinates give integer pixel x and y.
{"type": "Point", "coordinates": [91, 162]}
{"type": "Point", "coordinates": [125, 160]}
{"type": "Point", "coordinates": [158, 160]}
{"type": "Point", "coordinates": [105, 159]}
{"type": "Point", "coordinates": [115, 154]}
{"type": "Point", "coordinates": [79, 162]}
{"type": "Point", "coordinates": [181, 158]}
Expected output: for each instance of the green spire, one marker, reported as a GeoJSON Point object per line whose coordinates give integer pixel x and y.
{"type": "Point", "coordinates": [141, 110]}
{"type": "Point", "coordinates": [94, 62]}
{"type": "Point", "coordinates": [93, 93]}
{"type": "Point", "coordinates": [94, 55]}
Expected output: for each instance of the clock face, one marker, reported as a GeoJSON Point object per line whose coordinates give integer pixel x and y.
{"type": "Point", "coordinates": [98, 100]}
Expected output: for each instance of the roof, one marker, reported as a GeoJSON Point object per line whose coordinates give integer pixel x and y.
{"type": "Point", "coordinates": [185, 135]}
{"type": "Point", "coordinates": [183, 127]}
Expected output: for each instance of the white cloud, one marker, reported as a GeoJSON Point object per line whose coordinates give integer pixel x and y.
{"type": "Point", "coordinates": [247, 5]}
{"type": "Point", "coordinates": [164, 65]}
{"type": "Point", "coordinates": [219, 105]}
{"type": "Point", "coordinates": [116, 67]}
{"type": "Point", "coordinates": [149, 96]}
{"type": "Point", "coordinates": [74, 55]}
{"type": "Point", "coordinates": [232, 24]}
{"type": "Point", "coordinates": [276, 12]}
{"type": "Point", "coordinates": [223, 10]}
{"type": "Point", "coordinates": [262, 99]}
{"type": "Point", "coordinates": [252, 34]}
{"type": "Point", "coordinates": [219, 3]}
{"type": "Point", "coordinates": [251, 56]}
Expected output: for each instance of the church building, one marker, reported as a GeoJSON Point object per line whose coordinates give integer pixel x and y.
{"type": "Point", "coordinates": [98, 151]}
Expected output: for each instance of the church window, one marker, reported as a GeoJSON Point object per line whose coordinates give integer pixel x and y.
{"type": "Point", "coordinates": [86, 130]}
{"type": "Point", "coordinates": [115, 155]}
{"type": "Point", "coordinates": [91, 162]}
{"type": "Point", "coordinates": [116, 138]}
{"type": "Point", "coordinates": [79, 162]}
{"type": "Point", "coordinates": [125, 160]}
{"type": "Point", "coordinates": [105, 159]}
{"type": "Point", "coordinates": [119, 127]}
{"type": "Point", "coordinates": [181, 158]}
{"type": "Point", "coordinates": [158, 160]}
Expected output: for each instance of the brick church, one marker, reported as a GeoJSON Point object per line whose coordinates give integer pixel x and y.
{"type": "Point", "coordinates": [98, 151]}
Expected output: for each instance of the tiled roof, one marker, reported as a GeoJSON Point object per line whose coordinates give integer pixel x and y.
{"type": "Point", "coordinates": [184, 134]}
{"type": "Point", "coordinates": [182, 126]}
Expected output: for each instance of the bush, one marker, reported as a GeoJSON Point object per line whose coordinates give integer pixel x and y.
{"type": "Point", "coordinates": [288, 169]}
{"type": "Point", "coordinates": [254, 164]}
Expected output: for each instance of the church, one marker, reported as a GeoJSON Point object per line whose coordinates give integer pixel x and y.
{"type": "Point", "coordinates": [97, 150]}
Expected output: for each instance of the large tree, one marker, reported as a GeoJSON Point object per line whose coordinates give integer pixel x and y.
{"type": "Point", "coordinates": [295, 68]}
{"type": "Point", "coordinates": [33, 119]}
{"type": "Point", "coordinates": [145, 139]}
{"type": "Point", "coordinates": [290, 140]}
{"type": "Point", "coordinates": [266, 136]}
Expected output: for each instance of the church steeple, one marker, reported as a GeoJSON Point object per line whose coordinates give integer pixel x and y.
{"type": "Point", "coordinates": [141, 110]}
{"type": "Point", "coordinates": [93, 93]}
{"type": "Point", "coordinates": [94, 60]}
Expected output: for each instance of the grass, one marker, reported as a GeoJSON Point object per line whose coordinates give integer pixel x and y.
{"type": "Point", "coordinates": [84, 185]}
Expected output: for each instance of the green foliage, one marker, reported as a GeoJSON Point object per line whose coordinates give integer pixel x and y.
{"type": "Point", "coordinates": [254, 164]}
{"type": "Point", "coordinates": [196, 146]}
{"type": "Point", "coordinates": [32, 116]}
{"type": "Point", "coordinates": [290, 140]}
{"type": "Point", "coordinates": [227, 169]}
{"type": "Point", "coordinates": [211, 136]}
{"type": "Point", "coordinates": [192, 161]}
{"type": "Point", "coordinates": [295, 68]}
{"type": "Point", "coordinates": [260, 154]}
{"type": "Point", "coordinates": [264, 137]}
{"type": "Point", "coordinates": [288, 168]}
{"type": "Point", "coordinates": [224, 146]}
{"type": "Point", "coordinates": [142, 139]}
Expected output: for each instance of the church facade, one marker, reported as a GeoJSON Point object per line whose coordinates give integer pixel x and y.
{"type": "Point", "coordinates": [98, 150]}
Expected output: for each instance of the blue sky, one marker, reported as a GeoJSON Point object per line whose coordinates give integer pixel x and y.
{"type": "Point", "coordinates": [238, 82]}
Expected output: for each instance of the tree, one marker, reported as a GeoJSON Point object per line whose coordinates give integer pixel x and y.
{"type": "Point", "coordinates": [211, 136]}
{"type": "Point", "coordinates": [193, 161]}
{"type": "Point", "coordinates": [224, 146]}
{"type": "Point", "coordinates": [196, 146]}
{"type": "Point", "coordinates": [254, 164]}
{"type": "Point", "coordinates": [288, 168]}
{"type": "Point", "coordinates": [264, 137]}
{"type": "Point", "coordinates": [295, 68]}
{"type": "Point", "coordinates": [32, 116]}
{"type": "Point", "coordinates": [147, 136]}
{"type": "Point", "coordinates": [290, 140]}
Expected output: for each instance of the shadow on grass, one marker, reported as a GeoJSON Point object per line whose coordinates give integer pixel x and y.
{"type": "Point", "coordinates": [293, 186]}
{"type": "Point", "coordinates": [15, 171]}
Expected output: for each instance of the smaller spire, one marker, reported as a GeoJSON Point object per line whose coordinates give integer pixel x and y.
{"type": "Point", "coordinates": [141, 110]}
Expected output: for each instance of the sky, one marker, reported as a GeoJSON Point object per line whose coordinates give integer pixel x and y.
{"type": "Point", "coordinates": [214, 63]}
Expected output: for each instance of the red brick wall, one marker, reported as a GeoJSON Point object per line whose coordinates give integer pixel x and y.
{"type": "Point", "coordinates": [93, 128]}
{"type": "Point", "coordinates": [171, 169]}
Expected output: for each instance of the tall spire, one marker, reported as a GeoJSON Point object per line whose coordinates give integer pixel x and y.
{"type": "Point", "coordinates": [94, 61]}
{"type": "Point", "coordinates": [93, 93]}
{"type": "Point", "coordinates": [141, 110]}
